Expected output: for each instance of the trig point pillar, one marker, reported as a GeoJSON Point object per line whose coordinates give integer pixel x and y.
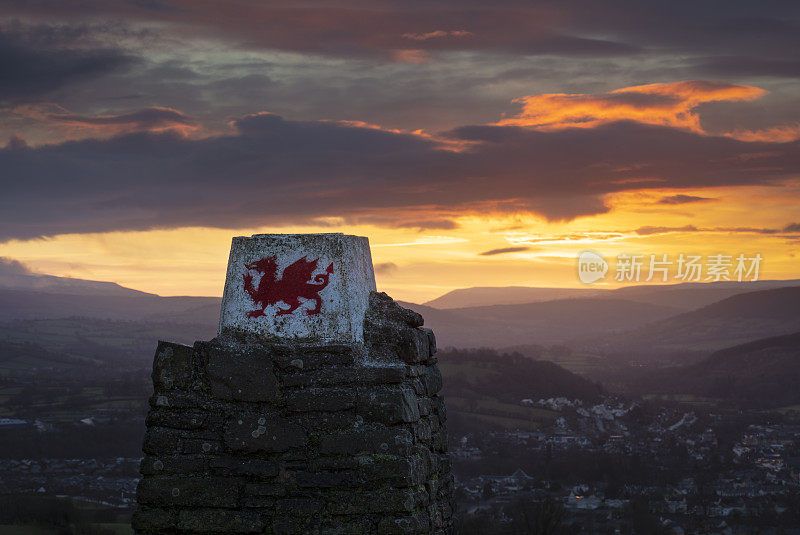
{"type": "Point", "coordinates": [314, 410]}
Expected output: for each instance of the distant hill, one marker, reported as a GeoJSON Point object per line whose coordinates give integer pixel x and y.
{"type": "Point", "coordinates": [507, 295]}
{"type": "Point", "coordinates": [737, 319]}
{"type": "Point", "coordinates": [510, 377]}
{"type": "Point", "coordinates": [764, 373]}
{"type": "Point", "coordinates": [548, 322]}
{"type": "Point", "coordinates": [632, 319]}
{"type": "Point", "coordinates": [28, 295]}
{"type": "Point", "coordinates": [685, 296]}
{"type": "Point", "coordinates": [15, 276]}
{"type": "Point", "coordinates": [485, 389]}
{"type": "Point", "coordinates": [125, 304]}
{"type": "Point", "coordinates": [70, 343]}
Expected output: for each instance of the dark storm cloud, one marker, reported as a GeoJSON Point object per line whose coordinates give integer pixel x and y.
{"type": "Point", "coordinates": [566, 27]}
{"type": "Point", "coordinates": [504, 250]}
{"type": "Point", "coordinates": [406, 223]}
{"type": "Point", "coordinates": [474, 57]}
{"type": "Point", "coordinates": [353, 28]}
{"type": "Point", "coordinates": [683, 199]}
{"type": "Point", "coordinates": [9, 266]}
{"type": "Point", "coordinates": [34, 62]}
{"type": "Point", "coordinates": [275, 171]}
{"type": "Point", "coordinates": [750, 66]}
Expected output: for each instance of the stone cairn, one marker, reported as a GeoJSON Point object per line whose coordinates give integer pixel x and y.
{"type": "Point", "coordinates": [337, 430]}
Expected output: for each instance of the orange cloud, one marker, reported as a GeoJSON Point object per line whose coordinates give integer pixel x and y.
{"type": "Point", "coordinates": [776, 134]}
{"type": "Point", "coordinates": [155, 119]}
{"type": "Point", "coordinates": [410, 56]}
{"type": "Point", "coordinates": [437, 34]}
{"type": "Point", "coordinates": [668, 104]}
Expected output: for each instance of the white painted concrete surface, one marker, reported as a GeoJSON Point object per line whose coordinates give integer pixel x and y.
{"type": "Point", "coordinates": [322, 295]}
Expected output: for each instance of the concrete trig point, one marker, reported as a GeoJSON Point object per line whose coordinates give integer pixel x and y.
{"type": "Point", "coordinates": [301, 286]}
{"type": "Point", "coordinates": [314, 410]}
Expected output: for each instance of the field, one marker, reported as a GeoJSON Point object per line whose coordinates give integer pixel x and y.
{"type": "Point", "coordinates": [53, 404]}
{"type": "Point", "coordinates": [500, 415]}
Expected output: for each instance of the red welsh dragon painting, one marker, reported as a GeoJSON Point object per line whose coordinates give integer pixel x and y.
{"type": "Point", "coordinates": [296, 283]}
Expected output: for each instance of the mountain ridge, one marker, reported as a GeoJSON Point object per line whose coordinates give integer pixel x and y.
{"type": "Point", "coordinates": [691, 294]}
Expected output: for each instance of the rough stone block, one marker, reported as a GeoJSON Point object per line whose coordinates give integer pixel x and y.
{"type": "Point", "coordinates": [413, 346]}
{"type": "Point", "coordinates": [153, 520]}
{"type": "Point", "coordinates": [251, 434]}
{"type": "Point", "coordinates": [321, 399]}
{"type": "Point", "coordinates": [326, 479]}
{"type": "Point", "coordinates": [390, 500]}
{"type": "Point", "coordinates": [432, 380]}
{"type": "Point", "coordinates": [171, 491]}
{"type": "Point", "coordinates": [237, 466]}
{"type": "Point", "coordinates": [265, 489]}
{"type": "Point", "coordinates": [361, 375]}
{"type": "Point", "coordinates": [431, 341]}
{"type": "Point", "coordinates": [241, 377]}
{"type": "Point", "coordinates": [300, 506]}
{"type": "Point", "coordinates": [376, 441]}
{"type": "Point", "coordinates": [175, 400]}
{"type": "Point", "coordinates": [221, 521]}
{"type": "Point", "coordinates": [172, 366]}
{"type": "Point", "coordinates": [345, 526]}
{"type": "Point", "coordinates": [313, 357]}
{"type": "Point", "coordinates": [161, 441]}
{"type": "Point", "coordinates": [326, 422]}
{"type": "Point", "coordinates": [200, 446]}
{"type": "Point", "coordinates": [388, 405]}
{"type": "Point", "coordinates": [440, 410]}
{"type": "Point", "coordinates": [173, 464]}
{"type": "Point", "coordinates": [406, 525]}
{"type": "Point", "coordinates": [440, 440]}
{"type": "Point", "coordinates": [397, 471]}
{"type": "Point", "coordinates": [422, 431]}
{"type": "Point", "coordinates": [176, 419]}
{"type": "Point", "coordinates": [269, 433]}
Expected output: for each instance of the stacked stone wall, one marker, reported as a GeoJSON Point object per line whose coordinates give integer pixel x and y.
{"type": "Point", "coordinates": [255, 435]}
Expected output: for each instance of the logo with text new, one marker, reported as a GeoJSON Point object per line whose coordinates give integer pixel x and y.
{"type": "Point", "coordinates": [591, 267]}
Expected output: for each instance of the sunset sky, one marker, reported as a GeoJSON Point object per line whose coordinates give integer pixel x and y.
{"type": "Point", "coordinates": [474, 143]}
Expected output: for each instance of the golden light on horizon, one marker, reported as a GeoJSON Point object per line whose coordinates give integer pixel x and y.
{"type": "Point", "coordinates": [483, 250]}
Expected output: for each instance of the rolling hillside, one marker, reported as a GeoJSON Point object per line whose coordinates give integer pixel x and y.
{"type": "Point", "coordinates": [738, 319]}
{"type": "Point", "coordinates": [507, 295]}
{"type": "Point", "coordinates": [684, 296]}
{"type": "Point", "coordinates": [549, 322]}
{"type": "Point", "coordinates": [763, 373]}
{"type": "Point", "coordinates": [26, 304]}
{"type": "Point", "coordinates": [484, 389]}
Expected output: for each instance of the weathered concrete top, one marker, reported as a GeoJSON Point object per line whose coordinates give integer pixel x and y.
{"type": "Point", "coordinates": [298, 286]}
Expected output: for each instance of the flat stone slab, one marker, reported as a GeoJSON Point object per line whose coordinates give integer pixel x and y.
{"type": "Point", "coordinates": [298, 286]}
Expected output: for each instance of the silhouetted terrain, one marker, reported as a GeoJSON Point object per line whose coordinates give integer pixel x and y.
{"type": "Point", "coordinates": [507, 295]}
{"type": "Point", "coordinates": [652, 320]}
{"type": "Point", "coordinates": [685, 296]}
{"type": "Point", "coordinates": [762, 374]}
{"type": "Point", "coordinates": [128, 305]}
{"type": "Point", "coordinates": [510, 377]}
{"type": "Point", "coordinates": [547, 322]}
{"type": "Point", "coordinates": [75, 373]}
{"type": "Point", "coordinates": [737, 319]}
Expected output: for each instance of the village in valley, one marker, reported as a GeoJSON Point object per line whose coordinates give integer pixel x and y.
{"type": "Point", "coordinates": [610, 466]}
{"type": "Point", "coordinates": [667, 467]}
